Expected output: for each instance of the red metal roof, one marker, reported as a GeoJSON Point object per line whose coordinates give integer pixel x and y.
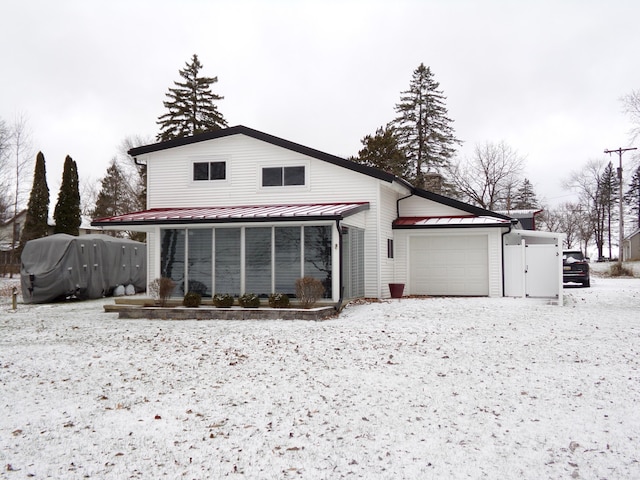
{"type": "Point", "coordinates": [247, 213]}
{"type": "Point", "coordinates": [452, 221]}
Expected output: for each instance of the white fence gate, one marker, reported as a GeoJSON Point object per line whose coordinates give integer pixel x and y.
{"type": "Point", "coordinates": [533, 270]}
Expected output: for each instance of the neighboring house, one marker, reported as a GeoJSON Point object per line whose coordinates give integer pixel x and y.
{"type": "Point", "coordinates": [526, 217]}
{"type": "Point", "coordinates": [631, 246]}
{"type": "Point", "coordinates": [7, 262]}
{"type": "Point", "coordinates": [238, 211]}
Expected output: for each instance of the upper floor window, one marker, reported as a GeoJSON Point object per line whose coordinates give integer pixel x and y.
{"type": "Point", "coordinates": [209, 170]}
{"type": "Point", "coordinates": [282, 176]}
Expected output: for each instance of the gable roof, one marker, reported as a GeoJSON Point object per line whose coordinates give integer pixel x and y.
{"type": "Point", "coordinates": [273, 140]}
{"type": "Point", "coordinates": [310, 152]}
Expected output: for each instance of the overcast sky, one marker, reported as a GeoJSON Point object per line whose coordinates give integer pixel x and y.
{"type": "Point", "coordinates": [544, 76]}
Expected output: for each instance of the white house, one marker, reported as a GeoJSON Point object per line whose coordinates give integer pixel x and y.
{"type": "Point", "coordinates": [237, 211]}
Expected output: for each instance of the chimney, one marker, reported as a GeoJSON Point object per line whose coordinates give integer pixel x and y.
{"type": "Point", "coordinates": [432, 181]}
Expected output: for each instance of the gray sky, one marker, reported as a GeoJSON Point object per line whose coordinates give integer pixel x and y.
{"type": "Point", "coordinates": [544, 76]}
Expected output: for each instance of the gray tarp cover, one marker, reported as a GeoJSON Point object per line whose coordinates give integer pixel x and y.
{"type": "Point", "coordinates": [89, 266]}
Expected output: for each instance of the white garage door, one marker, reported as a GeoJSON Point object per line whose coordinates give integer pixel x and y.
{"type": "Point", "coordinates": [449, 265]}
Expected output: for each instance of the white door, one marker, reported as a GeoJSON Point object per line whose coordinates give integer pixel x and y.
{"type": "Point", "coordinates": [449, 265]}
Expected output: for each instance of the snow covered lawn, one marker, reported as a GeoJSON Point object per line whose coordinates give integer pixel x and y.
{"type": "Point", "coordinates": [421, 388]}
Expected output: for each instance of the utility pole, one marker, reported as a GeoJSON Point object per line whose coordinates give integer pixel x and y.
{"type": "Point", "coordinates": [620, 151]}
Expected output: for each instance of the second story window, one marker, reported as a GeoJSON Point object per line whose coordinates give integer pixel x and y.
{"type": "Point", "coordinates": [209, 170]}
{"type": "Point", "coordinates": [282, 176]}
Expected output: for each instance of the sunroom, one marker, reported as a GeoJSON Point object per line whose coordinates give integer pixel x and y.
{"type": "Point", "coordinates": [253, 249]}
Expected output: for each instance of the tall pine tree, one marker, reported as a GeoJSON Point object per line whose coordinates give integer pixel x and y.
{"type": "Point", "coordinates": [191, 105]}
{"type": "Point", "coordinates": [632, 197]}
{"type": "Point", "coordinates": [36, 222]}
{"type": "Point", "coordinates": [67, 212]}
{"type": "Point", "coordinates": [383, 152]}
{"type": "Point", "coordinates": [423, 128]}
{"type": "Point", "coordinates": [525, 197]}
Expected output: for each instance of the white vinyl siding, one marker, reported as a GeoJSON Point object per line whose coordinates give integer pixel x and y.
{"type": "Point", "coordinates": [415, 206]}
{"type": "Point", "coordinates": [170, 181]}
{"type": "Point", "coordinates": [387, 215]}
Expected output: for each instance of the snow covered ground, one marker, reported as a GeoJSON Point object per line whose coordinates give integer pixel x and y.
{"type": "Point", "coordinates": [412, 388]}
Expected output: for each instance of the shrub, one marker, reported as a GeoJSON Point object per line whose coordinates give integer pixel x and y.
{"type": "Point", "coordinates": [619, 270]}
{"type": "Point", "coordinates": [278, 300]}
{"type": "Point", "coordinates": [161, 289]}
{"type": "Point", "coordinates": [308, 291]}
{"type": "Point", "coordinates": [192, 300]}
{"type": "Point", "coordinates": [249, 300]}
{"type": "Point", "coordinates": [223, 300]}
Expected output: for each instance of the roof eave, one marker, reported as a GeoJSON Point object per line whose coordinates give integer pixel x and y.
{"type": "Point", "coordinates": [446, 227]}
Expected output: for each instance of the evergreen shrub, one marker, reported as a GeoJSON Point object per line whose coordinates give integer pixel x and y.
{"type": "Point", "coordinates": [249, 300]}
{"type": "Point", "coordinates": [192, 300]}
{"type": "Point", "coordinates": [223, 300]}
{"type": "Point", "coordinates": [279, 300]}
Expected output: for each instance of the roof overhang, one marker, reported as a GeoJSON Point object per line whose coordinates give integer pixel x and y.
{"type": "Point", "coordinates": [236, 214]}
{"type": "Point", "coordinates": [451, 222]}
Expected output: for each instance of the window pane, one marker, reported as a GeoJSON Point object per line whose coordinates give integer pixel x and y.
{"type": "Point", "coordinates": [317, 255]}
{"type": "Point", "coordinates": [200, 261]}
{"type": "Point", "coordinates": [288, 268]}
{"type": "Point", "coordinates": [272, 177]}
{"type": "Point", "coordinates": [294, 176]}
{"type": "Point", "coordinates": [217, 170]}
{"type": "Point", "coordinates": [172, 258]}
{"type": "Point", "coordinates": [201, 171]}
{"type": "Point", "coordinates": [227, 276]}
{"type": "Point", "coordinates": [257, 251]}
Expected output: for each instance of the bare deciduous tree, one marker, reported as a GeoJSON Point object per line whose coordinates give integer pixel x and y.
{"type": "Point", "coordinates": [570, 219]}
{"type": "Point", "coordinates": [22, 161]}
{"type": "Point", "coordinates": [587, 183]}
{"type": "Point", "coordinates": [631, 106]}
{"type": "Point", "coordinates": [5, 201]}
{"type": "Point", "coordinates": [490, 177]}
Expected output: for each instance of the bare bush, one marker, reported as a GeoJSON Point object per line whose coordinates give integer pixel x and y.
{"type": "Point", "coordinates": [308, 291]}
{"type": "Point", "coordinates": [619, 270]}
{"type": "Point", "coordinates": [160, 289]}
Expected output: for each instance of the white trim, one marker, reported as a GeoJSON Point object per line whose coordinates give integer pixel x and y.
{"type": "Point", "coordinates": [209, 159]}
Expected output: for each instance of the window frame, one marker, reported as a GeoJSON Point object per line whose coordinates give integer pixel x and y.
{"type": "Point", "coordinates": [209, 161]}
{"type": "Point", "coordinates": [283, 176]}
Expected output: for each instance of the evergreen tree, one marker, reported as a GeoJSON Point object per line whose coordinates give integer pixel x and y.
{"type": "Point", "coordinates": [424, 131]}
{"type": "Point", "coordinates": [609, 195]}
{"type": "Point", "coordinates": [115, 196]}
{"type": "Point", "coordinates": [383, 152]}
{"type": "Point", "coordinates": [525, 197]}
{"type": "Point", "coordinates": [191, 105]}
{"type": "Point", "coordinates": [36, 222]}
{"type": "Point", "coordinates": [66, 215]}
{"type": "Point", "coordinates": [632, 197]}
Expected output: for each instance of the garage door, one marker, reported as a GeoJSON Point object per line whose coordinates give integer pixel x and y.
{"type": "Point", "coordinates": [449, 265]}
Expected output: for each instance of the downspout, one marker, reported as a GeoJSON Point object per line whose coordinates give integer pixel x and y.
{"type": "Point", "coordinates": [339, 305]}
{"type": "Point", "coordinates": [140, 164]}
{"type": "Point", "coordinates": [511, 224]}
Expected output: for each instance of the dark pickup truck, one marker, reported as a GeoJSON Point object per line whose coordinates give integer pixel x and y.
{"type": "Point", "coordinates": [575, 268]}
